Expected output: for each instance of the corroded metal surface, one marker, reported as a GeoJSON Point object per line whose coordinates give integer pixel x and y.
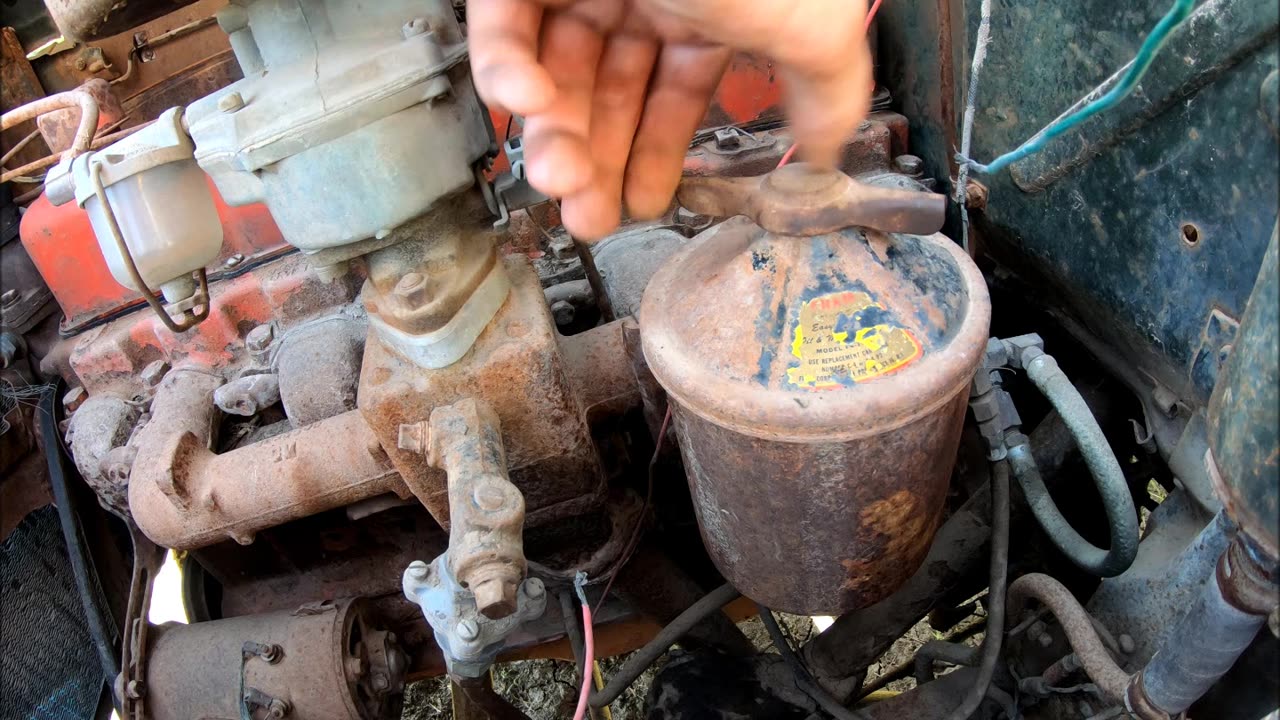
{"type": "Point", "coordinates": [486, 548]}
{"type": "Point", "coordinates": [324, 661]}
{"type": "Point", "coordinates": [184, 496]}
{"type": "Point", "coordinates": [517, 368]}
{"type": "Point", "coordinates": [820, 387]}
{"type": "Point", "coordinates": [799, 199]}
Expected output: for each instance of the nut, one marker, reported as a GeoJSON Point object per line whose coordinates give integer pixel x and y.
{"type": "Point", "coordinates": [975, 195]}
{"type": "Point", "coordinates": [260, 338]}
{"type": "Point", "coordinates": [74, 398]}
{"type": "Point", "coordinates": [563, 249]}
{"type": "Point", "coordinates": [414, 437]}
{"type": "Point", "coordinates": [412, 288]}
{"type": "Point", "coordinates": [468, 630]}
{"type": "Point", "coordinates": [231, 102]}
{"type": "Point", "coordinates": [909, 165]}
{"type": "Point", "coordinates": [154, 372]}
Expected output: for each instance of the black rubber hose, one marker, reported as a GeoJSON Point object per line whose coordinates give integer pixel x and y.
{"type": "Point", "coordinates": [995, 594]}
{"type": "Point", "coordinates": [647, 655]}
{"type": "Point", "coordinates": [805, 682]}
{"type": "Point", "coordinates": [97, 613]}
{"type": "Point", "coordinates": [1103, 466]}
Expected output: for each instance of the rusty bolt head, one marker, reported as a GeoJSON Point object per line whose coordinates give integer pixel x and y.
{"type": "Point", "coordinates": [534, 588]}
{"type": "Point", "coordinates": [420, 571]}
{"type": "Point", "coordinates": [414, 437]}
{"type": "Point", "coordinates": [415, 27]}
{"type": "Point", "coordinates": [231, 102]}
{"type": "Point", "coordinates": [154, 372]}
{"type": "Point", "coordinates": [975, 195]}
{"type": "Point", "coordinates": [468, 630]}
{"type": "Point", "coordinates": [489, 496]}
{"type": "Point", "coordinates": [412, 288]}
{"type": "Point", "coordinates": [259, 338]}
{"type": "Point", "coordinates": [74, 399]}
{"type": "Point", "coordinates": [279, 709]}
{"type": "Point", "coordinates": [909, 165]}
{"type": "Point", "coordinates": [135, 689]}
{"type": "Point", "coordinates": [271, 654]}
{"type": "Point", "coordinates": [563, 312]}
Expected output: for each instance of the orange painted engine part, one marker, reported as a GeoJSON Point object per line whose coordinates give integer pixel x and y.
{"type": "Point", "coordinates": [62, 245]}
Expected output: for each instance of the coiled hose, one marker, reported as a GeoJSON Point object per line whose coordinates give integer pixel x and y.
{"type": "Point", "coordinates": [1103, 466]}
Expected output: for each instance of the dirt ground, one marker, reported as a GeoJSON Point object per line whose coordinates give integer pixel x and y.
{"type": "Point", "coordinates": [547, 689]}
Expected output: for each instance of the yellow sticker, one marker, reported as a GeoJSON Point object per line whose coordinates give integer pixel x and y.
{"type": "Point", "coordinates": [830, 358]}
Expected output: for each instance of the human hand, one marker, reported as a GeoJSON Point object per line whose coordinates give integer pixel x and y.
{"type": "Point", "coordinates": [612, 91]}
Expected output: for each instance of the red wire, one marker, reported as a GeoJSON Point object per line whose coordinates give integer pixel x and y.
{"type": "Point", "coordinates": [588, 662]}
{"type": "Point", "coordinates": [871, 15]}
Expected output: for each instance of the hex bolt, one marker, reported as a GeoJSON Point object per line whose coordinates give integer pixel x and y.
{"type": "Point", "coordinates": [534, 588]}
{"type": "Point", "coordinates": [468, 630]}
{"type": "Point", "coordinates": [260, 338]}
{"type": "Point", "coordinates": [909, 165]}
{"type": "Point", "coordinates": [135, 689]}
{"type": "Point", "coordinates": [1165, 400]}
{"type": "Point", "coordinates": [154, 372]}
{"type": "Point", "coordinates": [563, 312]}
{"type": "Point", "coordinates": [233, 261]}
{"type": "Point", "coordinates": [231, 102]}
{"type": "Point", "coordinates": [419, 570]}
{"type": "Point", "coordinates": [279, 709]}
{"type": "Point", "coordinates": [975, 195]}
{"type": "Point", "coordinates": [357, 667]}
{"type": "Point", "coordinates": [415, 27]}
{"type": "Point", "coordinates": [1045, 640]}
{"type": "Point", "coordinates": [74, 399]}
{"type": "Point", "coordinates": [414, 437]}
{"type": "Point", "coordinates": [379, 682]}
{"type": "Point", "coordinates": [412, 288]}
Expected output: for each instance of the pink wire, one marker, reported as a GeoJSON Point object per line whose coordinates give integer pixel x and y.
{"type": "Point", "coordinates": [588, 662]}
{"type": "Point", "coordinates": [871, 14]}
{"type": "Point", "coordinates": [786, 156]}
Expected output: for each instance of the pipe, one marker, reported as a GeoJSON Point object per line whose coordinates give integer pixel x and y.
{"type": "Point", "coordinates": [1103, 466]}
{"type": "Point", "coordinates": [995, 595]}
{"type": "Point", "coordinates": [185, 497]}
{"type": "Point", "coordinates": [1207, 641]}
{"type": "Point", "coordinates": [641, 659]}
{"type": "Point", "coordinates": [50, 160]}
{"type": "Point", "coordinates": [803, 679]}
{"type": "Point", "coordinates": [69, 99]}
{"type": "Point", "coordinates": [97, 613]}
{"type": "Point", "coordinates": [1077, 625]}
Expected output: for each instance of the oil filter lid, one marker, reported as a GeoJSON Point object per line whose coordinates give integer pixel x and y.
{"type": "Point", "coordinates": [804, 331]}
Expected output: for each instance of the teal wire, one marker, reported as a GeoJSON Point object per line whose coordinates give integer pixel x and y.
{"type": "Point", "coordinates": [1141, 63]}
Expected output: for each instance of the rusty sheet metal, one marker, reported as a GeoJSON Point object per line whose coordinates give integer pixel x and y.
{"type": "Point", "coordinates": [18, 86]}
{"type": "Point", "coordinates": [819, 410]}
{"type": "Point", "coordinates": [599, 370]}
{"type": "Point", "coordinates": [517, 368]}
{"type": "Point", "coordinates": [323, 661]}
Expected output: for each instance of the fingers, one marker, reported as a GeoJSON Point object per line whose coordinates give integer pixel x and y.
{"type": "Point", "coordinates": [621, 85]}
{"type": "Point", "coordinates": [684, 81]}
{"type": "Point", "coordinates": [503, 36]}
{"type": "Point", "coordinates": [556, 139]}
{"type": "Point", "coordinates": [821, 50]}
